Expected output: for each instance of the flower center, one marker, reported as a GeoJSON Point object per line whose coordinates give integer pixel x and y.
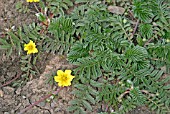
{"type": "Point", "coordinates": [64, 77]}
{"type": "Point", "coordinates": [30, 47]}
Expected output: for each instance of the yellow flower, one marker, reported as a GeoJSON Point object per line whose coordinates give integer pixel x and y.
{"type": "Point", "coordinates": [33, 0]}
{"type": "Point", "coordinates": [64, 78]}
{"type": "Point", "coordinates": [30, 47]}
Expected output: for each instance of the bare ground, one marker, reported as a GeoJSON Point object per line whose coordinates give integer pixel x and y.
{"type": "Point", "coordinates": [13, 100]}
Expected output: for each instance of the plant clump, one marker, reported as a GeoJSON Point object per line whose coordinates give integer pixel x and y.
{"type": "Point", "coordinates": [121, 50]}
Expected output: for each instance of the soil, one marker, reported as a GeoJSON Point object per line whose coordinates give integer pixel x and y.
{"type": "Point", "coordinates": [12, 100]}
{"type": "Point", "coordinates": [9, 16]}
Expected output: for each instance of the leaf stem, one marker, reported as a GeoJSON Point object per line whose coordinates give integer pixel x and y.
{"type": "Point", "coordinates": [18, 75]}
{"type": "Point", "coordinates": [128, 91]}
{"type": "Point", "coordinates": [136, 26]}
{"type": "Point", "coordinates": [36, 7]}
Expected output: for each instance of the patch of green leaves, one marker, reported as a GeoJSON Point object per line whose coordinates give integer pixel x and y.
{"type": "Point", "coordinates": [60, 39]}
{"type": "Point", "coordinates": [116, 64]}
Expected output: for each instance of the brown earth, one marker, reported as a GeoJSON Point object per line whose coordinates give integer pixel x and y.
{"type": "Point", "coordinates": [9, 16]}
{"type": "Point", "coordinates": [13, 100]}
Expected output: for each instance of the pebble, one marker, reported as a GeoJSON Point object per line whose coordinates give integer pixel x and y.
{"type": "Point", "coordinates": [6, 112]}
{"type": "Point", "coordinates": [42, 104]}
{"type": "Point", "coordinates": [24, 97]}
{"type": "Point", "coordinates": [8, 90]}
{"type": "Point", "coordinates": [1, 93]}
{"type": "Point", "coordinates": [18, 91]}
{"type": "Point", "coordinates": [11, 74]}
{"type": "Point", "coordinates": [116, 9]}
{"type": "Point", "coordinates": [12, 111]}
{"type": "Point", "coordinates": [53, 104]}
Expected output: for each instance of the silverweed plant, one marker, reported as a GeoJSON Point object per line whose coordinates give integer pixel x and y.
{"type": "Point", "coordinates": [121, 50]}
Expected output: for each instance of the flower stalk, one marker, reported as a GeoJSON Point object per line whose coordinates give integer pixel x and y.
{"type": "Point", "coordinates": [7, 83]}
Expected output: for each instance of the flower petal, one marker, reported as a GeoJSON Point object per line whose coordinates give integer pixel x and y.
{"type": "Point", "coordinates": [30, 47]}
{"type": "Point", "coordinates": [70, 77]}
{"type": "Point", "coordinates": [57, 78]}
{"type": "Point", "coordinates": [25, 45]}
{"type": "Point", "coordinates": [60, 72]}
{"type": "Point", "coordinates": [29, 52]}
{"type": "Point", "coordinates": [67, 83]}
{"type": "Point", "coordinates": [60, 84]}
{"type": "Point", "coordinates": [25, 48]}
{"type": "Point", "coordinates": [31, 41]}
{"type": "Point", "coordinates": [68, 72]}
{"type": "Point", "coordinates": [64, 78]}
{"type": "Point", "coordinates": [35, 50]}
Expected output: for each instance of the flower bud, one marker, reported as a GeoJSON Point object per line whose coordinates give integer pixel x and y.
{"type": "Point", "coordinates": [167, 40]}
{"type": "Point", "coordinates": [144, 39]}
{"type": "Point", "coordinates": [124, 21]}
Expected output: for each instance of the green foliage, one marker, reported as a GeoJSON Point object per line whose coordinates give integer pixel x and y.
{"type": "Point", "coordinates": [10, 43]}
{"type": "Point", "coordinates": [60, 38]}
{"type": "Point", "coordinates": [85, 1]}
{"type": "Point", "coordinates": [57, 6]}
{"type": "Point", "coordinates": [86, 96]}
{"type": "Point", "coordinates": [146, 30]}
{"type": "Point", "coordinates": [116, 65]}
{"type": "Point", "coordinates": [14, 43]}
{"type": "Point", "coordinates": [27, 65]}
{"type": "Point", "coordinates": [142, 10]}
{"type": "Point", "coordinates": [106, 53]}
{"type": "Point", "coordinates": [155, 15]}
{"type": "Point", "coordinates": [137, 96]}
{"type": "Point", "coordinates": [15, 40]}
{"type": "Point", "coordinates": [160, 54]}
{"type": "Point", "coordinates": [136, 53]}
